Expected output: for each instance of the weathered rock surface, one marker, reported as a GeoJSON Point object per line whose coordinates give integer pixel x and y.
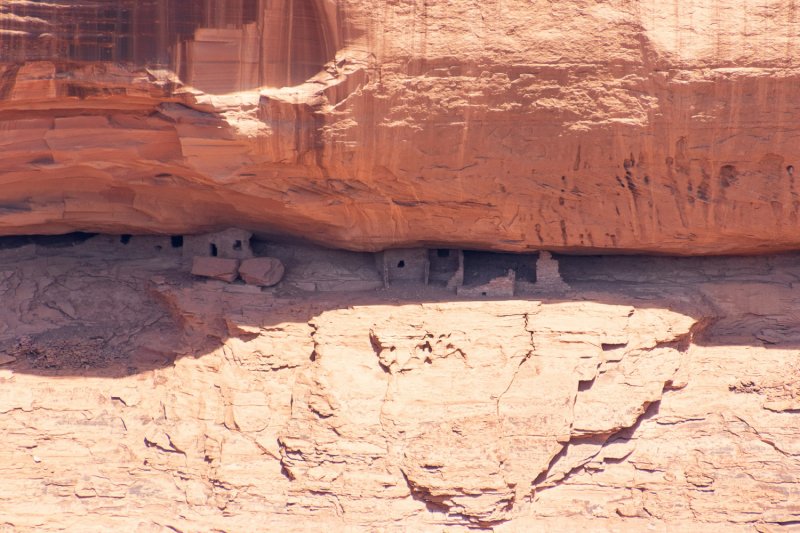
{"type": "Point", "coordinates": [216, 267]}
{"type": "Point", "coordinates": [261, 271]}
{"type": "Point", "coordinates": [570, 126]}
{"type": "Point", "coordinates": [134, 397]}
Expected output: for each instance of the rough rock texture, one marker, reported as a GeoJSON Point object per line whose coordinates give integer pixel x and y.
{"type": "Point", "coordinates": [216, 267]}
{"type": "Point", "coordinates": [134, 397]}
{"type": "Point", "coordinates": [662, 126]}
{"type": "Point", "coordinates": [262, 271]}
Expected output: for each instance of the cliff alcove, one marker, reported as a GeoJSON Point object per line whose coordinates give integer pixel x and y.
{"type": "Point", "coordinates": [508, 126]}
{"type": "Point", "coordinates": [342, 404]}
{"type": "Point", "coordinates": [407, 265]}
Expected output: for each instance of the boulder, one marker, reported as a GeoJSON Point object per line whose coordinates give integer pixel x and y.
{"type": "Point", "coordinates": [262, 271]}
{"type": "Point", "coordinates": [216, 267]}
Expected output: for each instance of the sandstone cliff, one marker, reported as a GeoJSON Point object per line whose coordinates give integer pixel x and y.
{"type": "Point", "coordinates": [567, 125]}
{"type": "Point", "coordinates": [611, 394]}
{"type": "Point", "coordinates": [134, 397]}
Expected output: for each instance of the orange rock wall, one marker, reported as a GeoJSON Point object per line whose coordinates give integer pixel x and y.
{"type": "Point", "coordinates": [578, 126]}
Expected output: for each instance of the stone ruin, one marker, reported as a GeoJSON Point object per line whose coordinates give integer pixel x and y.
{"type": "Point", "coordinates": [548, 278]}
{"type": "Point", "coordinates": [232, 243]}
{"type": "Point", "coordinates": [448, 266]}
{"type": "Point", "coordinates": [228, 255]}
{"type": "Point", "coordinates": [496, 288]}
{"type": "Point", "coordinates": [421, 265]}
{"type": "Point", "coordinates": [408, 264]}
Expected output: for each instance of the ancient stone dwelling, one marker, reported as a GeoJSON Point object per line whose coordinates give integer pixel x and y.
{"type": "Point", "coordinates": [219, 255]}
{"type": "Point", "coordinates": [399, 266]}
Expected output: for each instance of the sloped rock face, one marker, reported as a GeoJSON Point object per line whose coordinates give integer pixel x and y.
{"type": "Point", "coordinates": [397, 410]}
{"type": "Point", "coordinates": [137, 398]}
{"type": "Point", "coordinates": [469, 416]}
{"type": "Point", "coordinates": [572, 126]}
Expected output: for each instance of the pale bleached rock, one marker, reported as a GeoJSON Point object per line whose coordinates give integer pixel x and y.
{"type": "Point", "coordinates": [213, 410]}
{"type": "Point", "coordinates": [476, 445]}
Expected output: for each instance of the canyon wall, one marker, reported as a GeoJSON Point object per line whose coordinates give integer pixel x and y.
{"type": "Point", "coordinates": [636, 393]}
{"type": "Point", "coordinates": [577, 126]}
{"type": "Point", "coordinates": [134, 397]}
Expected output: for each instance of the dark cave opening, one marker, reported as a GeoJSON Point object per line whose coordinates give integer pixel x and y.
{"type": "Point", "coordinates": [482, 267]}
{"type": "Point", "coordinates": [46, 241]}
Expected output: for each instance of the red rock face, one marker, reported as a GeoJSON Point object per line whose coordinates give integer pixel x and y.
{"type": "Point", "coordinates": [215, 46]}
{"type": "Point", "coordinates": [579, 127]}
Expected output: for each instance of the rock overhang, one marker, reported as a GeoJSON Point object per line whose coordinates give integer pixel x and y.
{"type": "Point", "coordinates": [633, 142]}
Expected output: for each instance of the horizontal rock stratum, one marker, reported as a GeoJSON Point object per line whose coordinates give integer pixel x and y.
{"type": "Point", "coordinates": [660, 394]}
{"type": "Point", "coordinates": [580, 126]}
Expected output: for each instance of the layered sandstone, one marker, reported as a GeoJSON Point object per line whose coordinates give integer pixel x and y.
{"type": "Point", "coordinates": [407, 391]}
{"type": "Point", "coordinates": [136, 397]}
{"type": "Point", "coordinates": [574, 125]}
